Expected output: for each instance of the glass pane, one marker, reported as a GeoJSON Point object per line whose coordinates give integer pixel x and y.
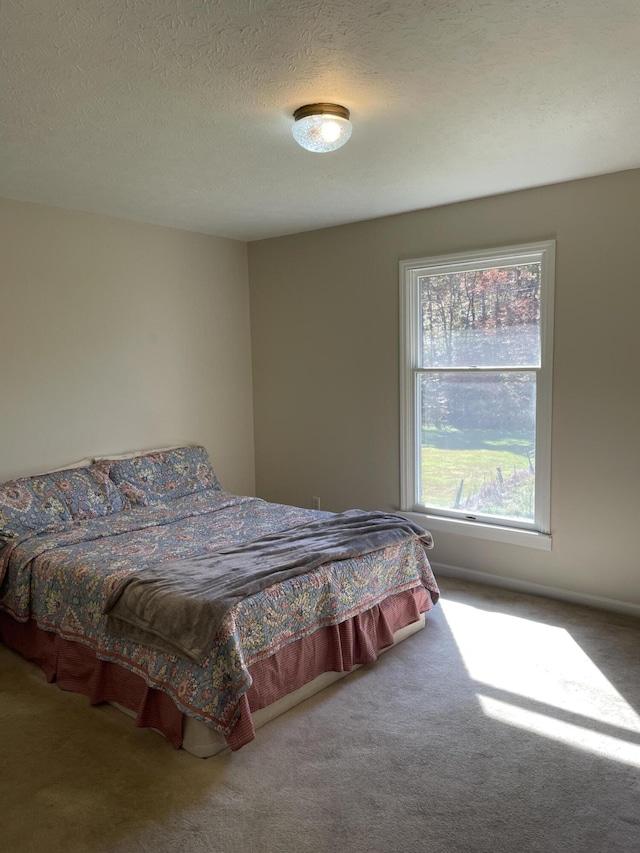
{"type": "Point", "coordinates": [482, 318]}
{"type": "Point", "coordinates": [478, 442]}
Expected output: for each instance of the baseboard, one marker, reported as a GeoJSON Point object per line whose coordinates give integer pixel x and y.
{"type": "Point", "coordinates": [611, 604]}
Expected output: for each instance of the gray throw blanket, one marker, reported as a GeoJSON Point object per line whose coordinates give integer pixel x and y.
{"type": "Point", "coordinates": [178, 606]}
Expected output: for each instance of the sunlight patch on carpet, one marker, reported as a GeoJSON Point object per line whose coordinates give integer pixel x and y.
{"type": "Point", "coordinates": [535, 676]}
{"type": "Point", "coordinates": [548, 726]}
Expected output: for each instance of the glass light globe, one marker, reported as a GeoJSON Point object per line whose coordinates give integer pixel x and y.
{"type": "Point", "coordinates": [323, 131]}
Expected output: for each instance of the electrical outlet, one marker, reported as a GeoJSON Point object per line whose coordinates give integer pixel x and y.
{"type": "Point", "coordinates": [315, 503]}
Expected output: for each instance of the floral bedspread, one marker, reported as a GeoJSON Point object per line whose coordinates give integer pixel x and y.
{"type": "Point", "coordinates": [62, 579]}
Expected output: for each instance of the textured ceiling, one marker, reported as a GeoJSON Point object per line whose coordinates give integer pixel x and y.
{"type": "Point", "coordinates": [179, 111]}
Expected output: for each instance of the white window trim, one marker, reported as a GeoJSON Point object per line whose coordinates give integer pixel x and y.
{"type": "Point", "coordinates": [538, 533]}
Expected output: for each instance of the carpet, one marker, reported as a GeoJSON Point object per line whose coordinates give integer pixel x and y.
{"type": "Point", "coordinates": [509, 725]}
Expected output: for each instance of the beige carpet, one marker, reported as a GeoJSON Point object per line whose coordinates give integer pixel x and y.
{"type": "Point", "coordinates": [510, 724]}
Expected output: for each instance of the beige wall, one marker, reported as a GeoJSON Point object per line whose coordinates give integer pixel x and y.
{"type": "Point", "coordinates": [324, 315]}
{"type": "Point", "coordinates": [119, 336]}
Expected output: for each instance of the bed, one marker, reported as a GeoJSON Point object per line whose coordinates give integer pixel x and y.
{"type": "Point", "coordinates": [69, 538]}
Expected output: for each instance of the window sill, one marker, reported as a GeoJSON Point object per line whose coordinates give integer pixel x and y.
{"type": "Point", "coordinates": [478, 530]}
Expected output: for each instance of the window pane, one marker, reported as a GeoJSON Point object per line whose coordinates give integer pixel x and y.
{"type": "Point", "coordinates": [482, 318]}
{"type": "Point", "coordinates": [478, 443]}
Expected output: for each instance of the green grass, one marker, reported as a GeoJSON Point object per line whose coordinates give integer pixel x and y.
{"type": "Point", "coordinates": [449, 456]}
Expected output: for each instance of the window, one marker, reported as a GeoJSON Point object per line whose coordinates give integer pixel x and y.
{"type": "Point", "coordinates": [476, 337]}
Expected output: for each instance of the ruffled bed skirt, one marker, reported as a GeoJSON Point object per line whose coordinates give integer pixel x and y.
{"type": "Point", "coordinates": [336, 648]}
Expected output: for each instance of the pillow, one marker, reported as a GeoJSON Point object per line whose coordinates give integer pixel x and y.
{"type": "Point", "coordinates": [167, 474]}
{"type": "Point", "coordinates": [29, 505]}
{"type": "Point", "coordinates": [89, 492]}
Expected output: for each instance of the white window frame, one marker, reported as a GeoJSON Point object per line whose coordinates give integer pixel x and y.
{"type": "Point", "coordinates": [536, 534]}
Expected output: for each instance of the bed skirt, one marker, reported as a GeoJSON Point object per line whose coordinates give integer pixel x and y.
{"type": "Point", "coordinates": [336, 648]}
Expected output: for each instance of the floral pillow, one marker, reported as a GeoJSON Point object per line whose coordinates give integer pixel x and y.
{"type": "Point", "coordinates": [29, 505]}
{"type": "Point", "coordinates": [160, 476]}
{"type": "Point", "coordinates": [89, 492]}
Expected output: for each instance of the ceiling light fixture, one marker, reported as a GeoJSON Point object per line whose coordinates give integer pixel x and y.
{"type": "Point", "coordinates": [321, 127]}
